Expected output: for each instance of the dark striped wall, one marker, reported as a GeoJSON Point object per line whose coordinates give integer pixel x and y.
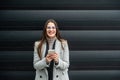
{"type": "Point", "coordinates": [92, 28]}
{"type": "Point", "coordinates": [60, 4]}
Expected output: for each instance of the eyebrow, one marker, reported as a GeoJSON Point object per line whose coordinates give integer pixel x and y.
{"type": "Point", "coordinates": [50, 26]}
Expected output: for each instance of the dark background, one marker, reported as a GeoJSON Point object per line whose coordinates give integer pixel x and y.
{"type": "Point", "coordinates": [92, 28]}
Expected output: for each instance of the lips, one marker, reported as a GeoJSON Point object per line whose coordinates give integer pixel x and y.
{"type": "Point", "coordinates": [50, 33]}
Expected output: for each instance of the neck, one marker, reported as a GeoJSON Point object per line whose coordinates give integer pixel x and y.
{"type": "Point", "coordinates": [51, 41]}
{"type": "Point", "coordinates": [51, 38]}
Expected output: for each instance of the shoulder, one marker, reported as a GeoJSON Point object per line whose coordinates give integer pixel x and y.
{"type": "Point", "coordinates": [36, 43]}
{"type": "Point", "coordinates": [64, 42]}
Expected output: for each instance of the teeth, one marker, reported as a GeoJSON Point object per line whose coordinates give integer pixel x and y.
{"type": "Point", "coordinates": [50, 33]}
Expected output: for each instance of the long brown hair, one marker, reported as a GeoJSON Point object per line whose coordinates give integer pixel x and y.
{"type": "Point", "coordinates": [44, 36]}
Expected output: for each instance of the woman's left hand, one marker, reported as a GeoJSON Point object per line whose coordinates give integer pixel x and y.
{"type": "Point", "coordinates": [56, 57]}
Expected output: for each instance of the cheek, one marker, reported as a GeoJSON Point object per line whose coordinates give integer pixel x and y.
{"type": "Point", "coordinates": [55, 31]}
{"type": "Point", "coordinates": [47, 32]}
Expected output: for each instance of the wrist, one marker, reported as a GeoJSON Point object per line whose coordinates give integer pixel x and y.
{"type": "Point", "coordinates": [56, 61]}
{"type": "Point", "coordinates": [47, 62]}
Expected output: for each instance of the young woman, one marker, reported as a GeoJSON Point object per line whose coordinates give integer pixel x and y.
{"type": "Point", "coordinates": [54, 65]}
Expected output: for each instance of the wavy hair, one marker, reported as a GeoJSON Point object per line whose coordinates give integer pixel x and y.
{"type": "Point", "coordinates": [44, 36]}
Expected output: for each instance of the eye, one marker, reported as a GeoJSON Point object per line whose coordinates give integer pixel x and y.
{"type": "Point", "coordinates": [48, 27]}
{"type": "Point", "coordinates": [53, 27]}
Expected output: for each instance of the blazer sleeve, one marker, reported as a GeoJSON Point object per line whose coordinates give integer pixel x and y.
{"type": "Point", "coordinates": [64, 62]}
{"type": "Point", "coordinates": [37, 62]}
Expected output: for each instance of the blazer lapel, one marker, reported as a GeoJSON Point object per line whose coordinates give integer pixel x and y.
{"type": "Point", "coordinates": [43, 55]}
{"type": "Point", "coordinates": [43, 50]}
{"type": "Point", "coordinates": [57, 46]}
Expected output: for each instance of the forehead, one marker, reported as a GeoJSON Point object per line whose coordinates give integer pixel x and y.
{"type": "Point", "coordinates": [50, 24]}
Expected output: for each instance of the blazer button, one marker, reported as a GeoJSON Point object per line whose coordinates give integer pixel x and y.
{"type": "Point", "coordinates": [40, 76]}
{"type": "Point", "coordinates": [57, 76]}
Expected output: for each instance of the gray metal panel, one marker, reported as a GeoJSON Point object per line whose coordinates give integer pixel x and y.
{"type": "Point", "coordinates": [72, 35]}
{"type": "Point", "coordinates": [66, 15]}
{"type": "Point", "coordinates": [76, 19]}
{"type": "Point", "coordinates": [79, 60]}
{"type": "Point", "coordinates": [74, 75]}
{"type": "Point", "coordinates": [62, 4]}
{"type": "Point", "coordinates": [78, 40]}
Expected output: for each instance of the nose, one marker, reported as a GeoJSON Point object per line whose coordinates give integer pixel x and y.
{"type": "Point", "coordinates": [51, 28]}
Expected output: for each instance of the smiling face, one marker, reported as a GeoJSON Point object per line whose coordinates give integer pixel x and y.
{"type": "Point", "coordinates": [51, 30]}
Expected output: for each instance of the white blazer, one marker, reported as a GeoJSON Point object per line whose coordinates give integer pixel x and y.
{"type": "Point", "coordinates": [60, 71]}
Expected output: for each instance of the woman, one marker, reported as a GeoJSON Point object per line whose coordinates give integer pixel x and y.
{"type": "Point", "coordinates": [53, 66]}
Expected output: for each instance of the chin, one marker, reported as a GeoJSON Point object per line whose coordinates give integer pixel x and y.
{"type": "Point", "coordinates": [51, 36]}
